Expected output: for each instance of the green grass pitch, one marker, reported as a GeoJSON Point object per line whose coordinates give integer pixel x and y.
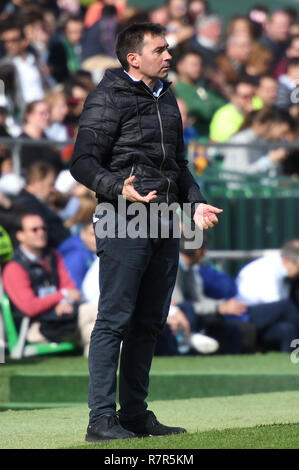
{"type": "Point", "coordinates": [259, 420]}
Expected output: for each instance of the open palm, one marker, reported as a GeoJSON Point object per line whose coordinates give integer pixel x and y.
{"type": "Point", "coordinates": [205, 216]}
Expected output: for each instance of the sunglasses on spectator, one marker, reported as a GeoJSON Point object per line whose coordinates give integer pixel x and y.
{"type": "Point", "coordinates": [245, 97]}
{"type": "Point", "coordinates": [5, 41]}
{"type": "Point", "coordinates": [37, 229]}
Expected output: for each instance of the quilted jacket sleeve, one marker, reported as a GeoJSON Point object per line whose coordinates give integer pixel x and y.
{"type": "Point", "coordinates": [98, 129]}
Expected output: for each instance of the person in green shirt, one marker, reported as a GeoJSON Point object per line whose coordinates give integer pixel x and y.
{"type": "Point", "coordinates": [202, 103]}
{"type": "Point", "coordinates": [229, 118]}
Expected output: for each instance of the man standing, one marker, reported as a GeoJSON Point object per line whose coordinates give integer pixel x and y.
{"type": "Point", "coordinates": [130, 146]}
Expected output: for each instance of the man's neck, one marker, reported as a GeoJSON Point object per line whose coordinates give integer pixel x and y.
{"type": "Point", "coordinates": [31, 253]}
{"type": "Point", "coordinates": [33, 131]}
{"type": "Point", "coordinates": [32, 191]}
{"type": "Point", "coordinates": [188, 81]}
{"type": "Point", "coordinates": [136, 75]}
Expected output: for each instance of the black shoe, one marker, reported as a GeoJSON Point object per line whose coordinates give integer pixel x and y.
{"type": "Point", "coordinates": [106, 429]}
{"type": "Point", "coordinates": [148, 425]}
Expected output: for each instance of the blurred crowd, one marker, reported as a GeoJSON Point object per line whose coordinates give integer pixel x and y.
{"type": "Point", "coordinates": [235, 82]}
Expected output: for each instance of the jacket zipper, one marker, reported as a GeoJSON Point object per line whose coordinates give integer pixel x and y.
{"type": "Point", "coordinates": [163, 148]}
{"type": "Point", "coordinates": [162, 139]}
{"type": "Point", "coordinates": [132, 169]}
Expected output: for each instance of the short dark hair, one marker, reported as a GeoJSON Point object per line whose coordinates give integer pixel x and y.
{"type": "Point", "coordinates": [131, 39]}
{"type": "Point", "coordinates": [18, 222]}
{"type": "Point", "coordinates": [38, 171]}
{"type": "Point", "coordinates": [12, 22]}
{"type": "Point", "coordinates": [184, 53]}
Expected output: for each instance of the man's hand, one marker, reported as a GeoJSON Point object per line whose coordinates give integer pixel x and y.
{"type": "Point", "coordinates": [132, 195]}
{"type": "Point", "coordinates": [64, 308]}
{"type": "Point", "coordinates": [205, 216]}
{"type": "Point", "coordinates": [278, 155]}
{"type": "Point", "coordinates": [232, 307]}
{"type": "Point", "coordinates": [178, 321]}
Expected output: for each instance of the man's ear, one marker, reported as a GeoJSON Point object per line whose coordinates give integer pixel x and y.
{"type": "Point", "coordinates": [19, 235]}
{"type": "Point", "coordinates": [133, 60]}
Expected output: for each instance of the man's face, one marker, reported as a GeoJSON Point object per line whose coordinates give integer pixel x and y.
{"type": "Point", "coordinates": [279, 27]}
{"type": "Point", "coordinates": [14, 44]}
{"type": "Point", "coordinates": [74, 31]}
{"type": "Point", "coordinates": [267, 90]}
{"type": "Point", "coordinates": [240, 49]}
{"type": "Point", "coordinates": [243, 97]}
{"type": "Point", "coordinates": [40, 115]}
{"type": "Point", "coordinates": [292, 267]}
{"type": "Point", "coordinates": [154, 59]}
{"type": "Point", "coordinates": [33, 235]}
{"type": "Point", "coordinates": [212, 31]}
{"type": "Point", "coordinates": [190, 66]}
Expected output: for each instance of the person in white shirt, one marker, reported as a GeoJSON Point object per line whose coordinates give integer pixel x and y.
{"type": "Point", "coordinates": [20, 66]}
{"type": "Point", "coordinates": [265, 279]}
{"type": "Point", "coordinates": [264, 285]}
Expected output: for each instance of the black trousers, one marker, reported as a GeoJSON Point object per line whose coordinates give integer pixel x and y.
{"type": "Point", "coordinates": [137, 277]}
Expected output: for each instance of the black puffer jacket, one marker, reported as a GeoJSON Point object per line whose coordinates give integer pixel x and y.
{"type": "Point", "coordinates": [124, 131]}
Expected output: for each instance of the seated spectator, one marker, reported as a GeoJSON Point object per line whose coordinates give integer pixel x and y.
{"type": "Point", "coordinates": [287, 84]}
{"type": "Point", "coordinates": [74, 203]}
{"type": "Point", "coordinates": [197, 9]}
{"type": "Point", "coordinates": [40, 180]}
{"type": "Point", "coordinates": [100, 38]}
{"type": "Point", "coordinates": [19, 69]}
{"type": "Point", "coordinates": [78, 253]}
{"type": "Point", "coordinates": [276, 35]}
{"type": "Point", "coordinates": [240, 25]}
{"type": "Point", "coordinates": [189, 132]}
{"type": "Point", "coordinates": [265, 286]}
{"type": "Point", "coordinates": [65, 55]}
{"type": "Point", "coordinates": [266, 279]}
{"type": "Point", "coordinates": [36, 122]}
{"type": "Point", "coordinates": [259, 61]}
{"type": "Point", "coordinates": [207, 38]}
{"type": "Point", "coordinates": [177, 322]}
{"type": "Point", "coordinates": [94, 11]}
{"type": "Point", "coordinates": [292, 52]}
{"type": "Point", "coordinates": [45, 293]}
{"type": "Point", "coordinates": [180, 335]}
{"type": "Point", "coordinates": [177, 27]}
{"type": "Point", "coordinates": [270, 325]}
{"type": "Point", "coordinates": [268, 125]}
{"type": "Point", "coordinates": [38, 38]}
{"type": "Point", "coordinates": [206, 314]}
{"type": "Point", "coordinates": [58, 110]}
{"type": "Point", "coordinates": [229, 118]}
{"type": "Point", "coordinates": [233, 61]}
{"type": "Point", "coordinates": [76, 92]}
{"type": "Point", "coordinates": [190, 87]}
{"type": "Point", "coordinates": [259, 16]}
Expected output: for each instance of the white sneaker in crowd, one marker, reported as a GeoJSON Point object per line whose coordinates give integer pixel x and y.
{"type": "Point", "coordinates": [203, 344]}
